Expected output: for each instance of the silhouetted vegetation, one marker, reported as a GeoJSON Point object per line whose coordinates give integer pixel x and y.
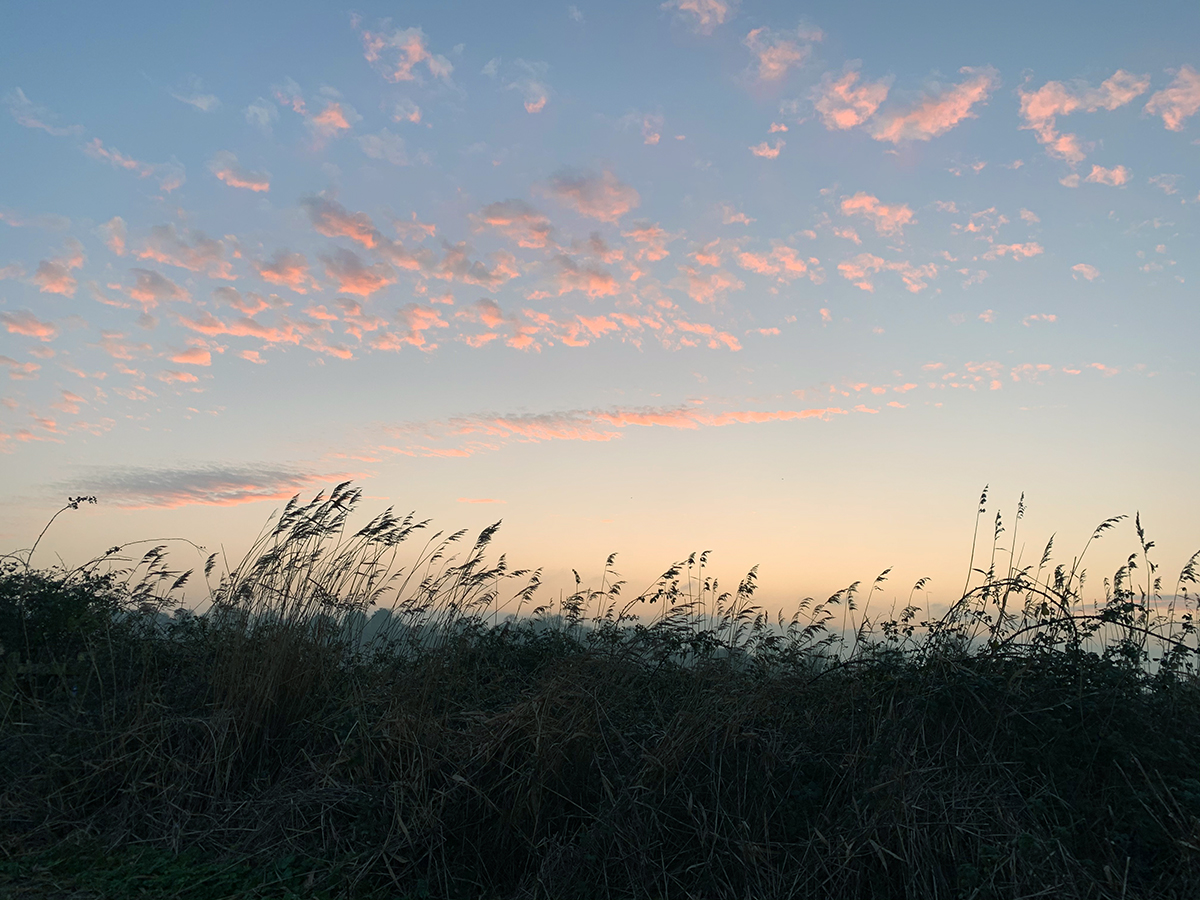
{"type": "Point", "coordinates": [332, 723]}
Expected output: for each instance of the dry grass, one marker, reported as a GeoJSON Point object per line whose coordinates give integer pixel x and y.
{"type": "Point", "coordinates": [676, 743]}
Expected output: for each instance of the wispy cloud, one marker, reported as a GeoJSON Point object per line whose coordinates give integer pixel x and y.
{"type": "Point", "coordinates": [1179, 101]}
{"type": "Point", "coordinates": [775, 52]}
{"type": "Point", "coordinates": [399, 53]}
{"type": "Point", "coordinates": [134, 487]}
{"type": "Point", "coordinates": [516, 220]}
{"type": "Point", "coordinates": [53, 276]}
{"type": "Point", "coordinates": [844, 103]}
{"type": "Point", "coordinates": [31, 115]}
{"type": "Point", "coordinates": [288, 270]}
{"type": "Point", "coordinates": [1041, 108]}
{"type": "Point", "coordinates": [194, 95]}
{"type": "Point", "coordinates": [702, 16]}
{"type": "Point", "coordinates": [887, 219]}
{"type": "Point", "coordinates": [26, 323]}
{"type": "Point", "coordinates": [226, 167]}
{"type": "Point", "coordinates": [941, 109]}
{"type": "Point", "coordinates": [604, 197]}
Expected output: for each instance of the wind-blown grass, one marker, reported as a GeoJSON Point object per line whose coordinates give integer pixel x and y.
{"type": "Point", "coordinates": [341, 719]}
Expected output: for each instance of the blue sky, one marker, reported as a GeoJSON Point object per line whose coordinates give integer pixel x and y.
{"type": "Point", "coordinates": [792, 284]}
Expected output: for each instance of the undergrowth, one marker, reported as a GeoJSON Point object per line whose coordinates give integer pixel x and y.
{"type": "Point", "coordinates": [342, 720]}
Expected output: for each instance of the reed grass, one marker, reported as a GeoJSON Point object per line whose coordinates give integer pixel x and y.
{"type": "Point", "coordinates": [383, 711]}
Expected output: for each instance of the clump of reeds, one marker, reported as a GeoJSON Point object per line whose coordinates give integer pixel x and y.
{"type": "Point", "coordinates": [366, 710]}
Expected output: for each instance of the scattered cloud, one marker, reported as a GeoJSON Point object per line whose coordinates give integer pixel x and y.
{"type": "Point", "coordinates": [385, 146]}
{"type": "Point", "coordinates": [194, 95]}
{"type": "Point", "coordinates": [888, 220]}
{"type": "Point", "coordinates": [353, 276]}
{"type": "Point", "coordinates": [1115, 177]}
{"type": "Point", "coordinates": [844, 103]}
{"type": "Point", "coordinates": [516, 220]}
{"type": "Point", "coordinates": [226, 167]}
{"type": "Point", "coordinates": [262, 114]}
{"type": "Point", "coordinates": [604, 197]}
{"type": "Point", "coordinates": [288, 270]}
{"type": "Point", "coordinates": [114, 235]}
{"type": "Point", "coordinates": [202, 254]}
{"type": "Point", "coordinates": [150, 288]}
{"type": "Point", "coordinates": [1015, 251]}
{"type": "Point", "coordinates": [132, 487]}
{"type": "Point", "coordinates": [398, 54]}
{"type": "Point", "coordinates": [529, 81]}
{"type": "Point", "coordinates": [1083, 270]}
{"type": "Point", "coordinates": [1041, 108]}
{"type": "Point", "coordinates": [775, 52]}
{"type": "Point", "coordinates": [30, 115]}
{"type": "Point", "coordinates": [1179, 101]}
{"type": "Point", "coordinates": [332, 219]}
{"type": "Point", "coordinates": [53, 276]}
{"type": "Point", "coordinates": [702, 16]}
{"type": "Point", "coordinates": [767, 151]}
{"type": "Point", "coordinates": [26, 323]}
{"type": "Point", "coordinates": [942, 108]}
{"type": "Point", "coordinates": [170, 175]}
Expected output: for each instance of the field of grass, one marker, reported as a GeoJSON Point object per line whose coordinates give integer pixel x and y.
{"type": "Point", "coordinates": [344, 720]}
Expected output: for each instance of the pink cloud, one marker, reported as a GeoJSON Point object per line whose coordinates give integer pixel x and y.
{"type": "Point", "coordinates": [70, 403]}
{"type": "Point", "coordinates": [888, 220]}
{"type": "Point", "coordinates": [206, 323]}
{"type": "Point", "coordinates": [19, 371]}
{"type": "Point", "coordinates": [1039, 317]}
{"type": "Point", "coordinates": [26, 323]}
{"type": "Point", "coordinates": [334, 118]}
{"type": "Point", "coordinates": [1041, 108]}
{"type": "Point", "coordinates": [1114, 177]}
{"type": "Point", "coordinates": [287, 269]}
{"type": "Point", "coordinates": [195, 356]}
{"type": "Point", "coordinates": [593, 281]}
{"type": "Point", "coordinates": [457, 266]}
{"type": "Point", "coordinates": [518, 221]}
{"type": "Point", "coordinates": [530, 83]}
{"type": "Point", "coordinates": [766, 151]}
{"type": "Point", "coordinates": [396, 55]}
{"type": "Point", "coordinates": [226, 167]}
{"type": "Point", "coordinates": [114, 234]}
{"type": "Point", "coordinates": [405, 110]}
{"type": "Point", "coordinates": [940, 111]}
{"type": "Point", "coordinates": [203, 254]}
{"type": "Point", "coordinates": [30, 115]}
{"type": "Point", "coordinates": [1016, 251]}
{"type": "Point", "coordinates": [702, 15]}
{"type": "Point", "coordinates": [1179, 101]}
{"type": "Point", "coordinates": [730, 216]}
{"type": "Point", "coordinates": [651, 126]}
{"type": "Point", "coordinates": [602, 196]}
{"type": "Point", "coordinates": [1083, 270]}
{"type": "Point", "coordinates": [860, 268]}
{"type": "Point", "coordinates": [706, 287]}
{"type": "Point", "coordinates": [653, 238]}
{"type": "Point", "coordinates": [353, 276]}
{"type": "Point", "coordinates": [150, 288]}
{"type": "Point", "coordinates": [332, 219]}
{"type": "Point", "coordinates": [53, 276]}
{"type": "Point", "coordinates": [776, 52]}
{"type": "Point", "coordinates": [417, 320]}
{"type": "Point", "coordinates": [170, 175]}
{"type": "Point", "coordinates": [843, 103]}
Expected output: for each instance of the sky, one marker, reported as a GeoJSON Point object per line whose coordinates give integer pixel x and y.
{"type": "Point", "coordinates": [790, 282]}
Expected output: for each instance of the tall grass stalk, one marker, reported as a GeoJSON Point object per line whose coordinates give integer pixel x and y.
{"type": "Point", "coordinates": [390, 711]}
